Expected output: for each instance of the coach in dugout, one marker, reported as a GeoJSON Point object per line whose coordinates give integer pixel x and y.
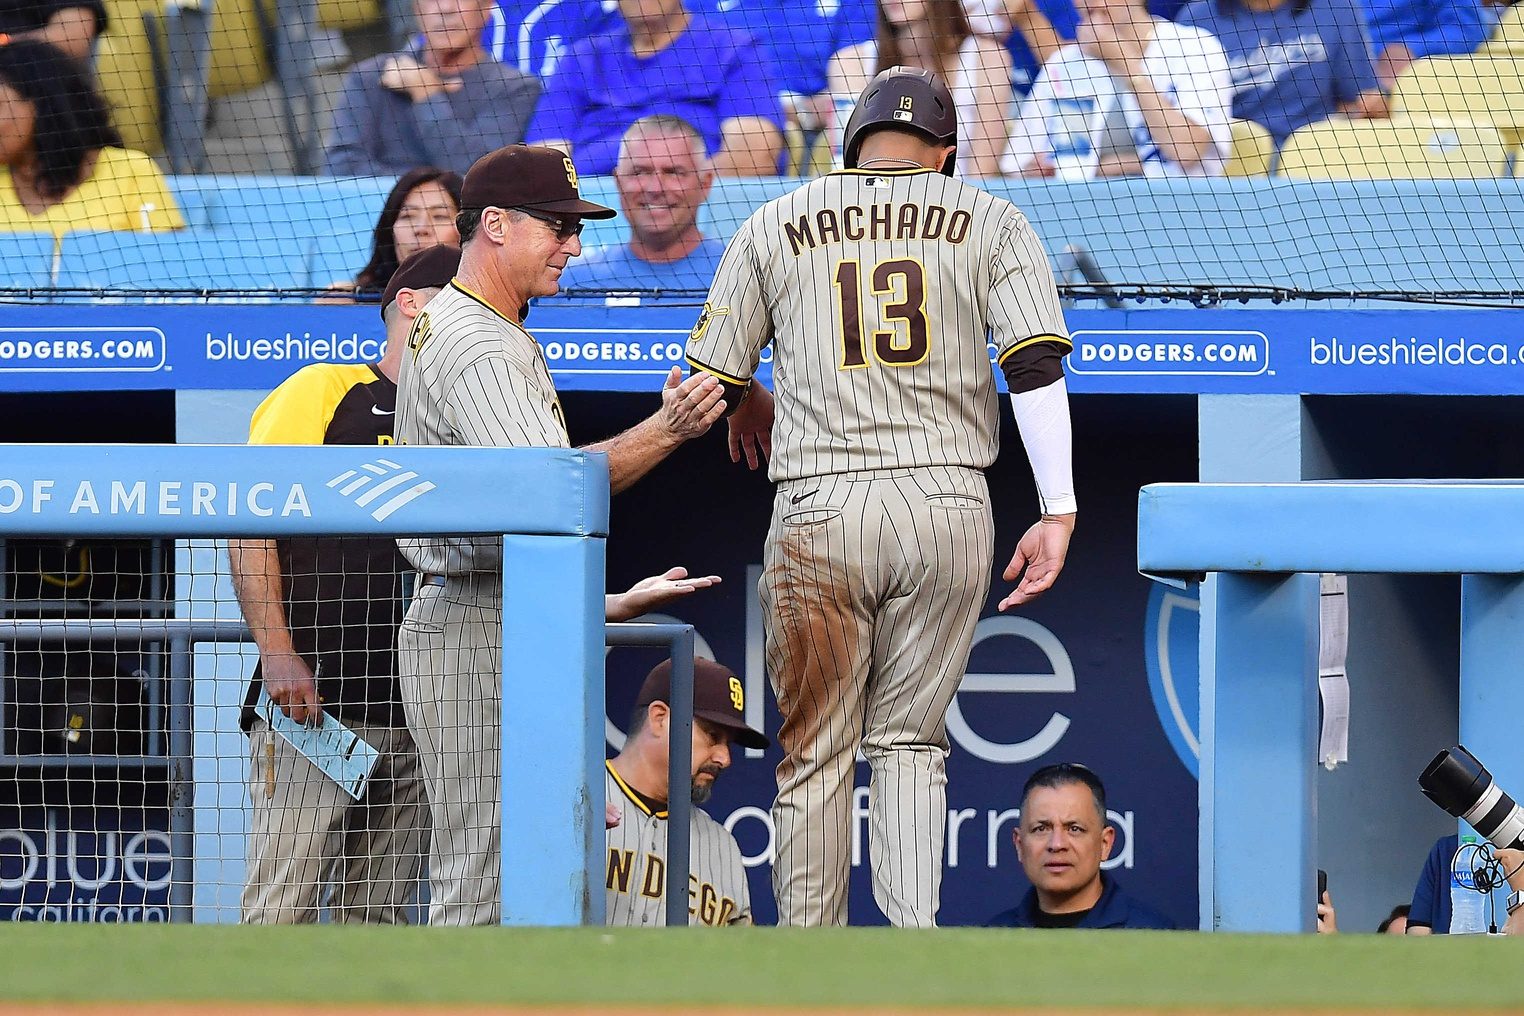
{"type": "Point", "coordinates": [1061, 839]}
{"type": "Point", "coordinates": [638, 792]}
{"type": "Point", "coordinates": [324, 613]}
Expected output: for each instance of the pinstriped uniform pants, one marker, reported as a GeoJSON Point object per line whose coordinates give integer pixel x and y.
{"type": "Point", "coordinates": [311, 846]}
{"type": "Point", "coordinates": [872, 584]}
{"type": "Point", "coordinates": [449, 662]}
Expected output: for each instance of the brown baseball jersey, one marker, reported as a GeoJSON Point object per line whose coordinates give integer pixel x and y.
{"type": "Point", "coordinates": [636, 874]}
{"type": "Point", "coordinates": [471, 376]}
{"type": "Point", "coordinates": [877, 291]}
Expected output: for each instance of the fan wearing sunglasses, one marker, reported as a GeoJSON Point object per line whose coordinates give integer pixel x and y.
{"type": "Point", "coordinates": [472, 375]}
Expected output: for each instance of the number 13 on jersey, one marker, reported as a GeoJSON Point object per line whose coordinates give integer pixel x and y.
{"type": "Point", "coordinates": [897, 299]}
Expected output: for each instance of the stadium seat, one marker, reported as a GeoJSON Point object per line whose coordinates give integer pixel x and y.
{"type": "Point", "coordinates": [346, 15]}
{"type": "Point", "coordinates": [240, 52]}
{"type": "Point", "coordinates": [1253, 149]}
{"type": "Point", "coordinates": [1509, 35]}
{"type": "Point", "coordinates": [1393, 150]}
{"type": "Point", "coordinates": [1487, 88]}
{"type": "Point", "coordinates": [124, 68]}
{"type": "Point", "coordinates": [26, 259]}
{"type": "Point", "coordinates": [191, 259]}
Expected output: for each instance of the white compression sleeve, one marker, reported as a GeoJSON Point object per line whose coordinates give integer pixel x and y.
{"type": "Point", "coordinates": [1042, 416]}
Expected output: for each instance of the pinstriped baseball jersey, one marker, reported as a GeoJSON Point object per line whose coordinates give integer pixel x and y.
{"type": "Point", "coordinates": [877, 291]}
{"type": "Point", "coordinates": [471, 376]}
{"type": "Point", "coordinates": [636, 870]}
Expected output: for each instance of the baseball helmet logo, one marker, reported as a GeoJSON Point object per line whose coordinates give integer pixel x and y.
{"type": "Point", "coordinates": [902, 98]}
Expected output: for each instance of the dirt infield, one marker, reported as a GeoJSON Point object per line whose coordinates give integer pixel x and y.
{"type": "Point", "coordinates": [235, 1009]}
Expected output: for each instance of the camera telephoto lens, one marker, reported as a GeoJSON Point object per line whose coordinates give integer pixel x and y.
{"type": "Point", "coordinates": [1461, 785]}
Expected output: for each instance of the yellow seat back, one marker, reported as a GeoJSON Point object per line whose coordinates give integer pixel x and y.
{"type": "Point", "coordinates": [1252, 150]}
{"type": "Point", "coordinates": [238, 59]}
{"type": "Point", "coordinates": [345, 15]}
{"type": "Point", "coordinates": [1404, 149]}
{"type": "Point", "coordinates": [1486, 88]}
{"type": "Point", "coordinates": [1509, 35]}
{"type": "Point", "coordinates": [124, 69]}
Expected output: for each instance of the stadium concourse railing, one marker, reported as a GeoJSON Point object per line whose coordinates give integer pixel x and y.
{"type": "Point", "coordinates": [551, 506]}
{"type": "Point", "coordinates": [1261, 547]}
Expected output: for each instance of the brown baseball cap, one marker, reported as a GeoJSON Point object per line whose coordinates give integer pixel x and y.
{"type": "Point", "coordinates": [430, 268]}
{"type": "Point", "coordinates": [718, 696]}
{"type": "Point", "coordinates": [528, 176]}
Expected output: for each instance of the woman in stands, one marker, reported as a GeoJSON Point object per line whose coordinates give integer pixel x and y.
{"type": "Point", "coordinates": [62, 164]}
{"type": "Point", "coordinates": [936, 35]}
{"type": "Point", "coordinates": [419, 212]}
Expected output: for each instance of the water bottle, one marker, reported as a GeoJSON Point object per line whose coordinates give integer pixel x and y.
{"type": "Point", "coordinates": [1468, 908]}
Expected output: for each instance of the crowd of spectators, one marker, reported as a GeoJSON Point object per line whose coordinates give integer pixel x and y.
{"type": "Point", "coordinates": [1074, 88]}
{"type": "Point", "coordinates": [1048, 88]}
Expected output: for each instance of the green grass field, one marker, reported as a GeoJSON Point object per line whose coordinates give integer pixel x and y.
{"type": "Point", "coordinates": [867, 969]}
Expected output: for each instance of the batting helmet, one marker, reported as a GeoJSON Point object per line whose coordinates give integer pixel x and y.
{"type": "Point", "coordinates": [907, 99]}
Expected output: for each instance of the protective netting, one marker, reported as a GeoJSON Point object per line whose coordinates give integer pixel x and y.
{"type": "Point", "coordinates": [145, 774]}
{"type": "Point", "coordinates": [1278, 148]}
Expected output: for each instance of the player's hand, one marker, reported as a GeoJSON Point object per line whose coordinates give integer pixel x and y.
{"type": "Point", "coordinates": [290, 684]}
{"type": "Point", "coordinates": [1115, 36]}
{"type": "Point", "coordinates": [611, 816]}
{"type": "Point", "coordinates": [655, 591]}
{"type": "Point", "coordinates": [1038, 559]}
{"type": "Point", "coordinates": [689, 408]}
{"type": "Point", "coordinates": [405, 75]}
{"type": "Point", "coordinates": [751, 428]}
{"type": "Point", "coordinates": [1328, 921]}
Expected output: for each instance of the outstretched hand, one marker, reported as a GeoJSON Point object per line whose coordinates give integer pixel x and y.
{"type": "Point", "coordinates": [751, 428]}
{"type": "Point", "coordinates": [1038, 559]}
{"type": "Point", "coordinates": [654, 591]}
{"type": "Point", "coordinates": [689, 408]}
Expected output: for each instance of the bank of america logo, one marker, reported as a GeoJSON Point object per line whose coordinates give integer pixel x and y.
{"type": "Point", "coordinates": [382, 478]}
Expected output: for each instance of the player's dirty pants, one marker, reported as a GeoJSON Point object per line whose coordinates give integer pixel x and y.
{"type": "Point", "coordinates": [449, 658]}
{"type": "Point", "coordinates": [871, 587]}
{"type": "Point", "coordinates": [308, 835]}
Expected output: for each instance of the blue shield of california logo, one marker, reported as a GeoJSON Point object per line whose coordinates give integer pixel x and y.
{"type": "Point", "coordinates": [1171, 637]}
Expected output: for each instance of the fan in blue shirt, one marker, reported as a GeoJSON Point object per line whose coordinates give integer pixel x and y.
{"type": "Point", "coordinates": [1061, 839]}
{"type": "Point", "coordinates": [663, 179]}
{"type": "Point", "coordinates": [664, 60]}
{"type": "Point", "coordinates": [1406, 30]}
{"type": "Point", "coordinates": [1294, 62]}
{"type": "Point", "coordinates": [800, 37]}
{"type": "Point", "coordinates": [533, 35]}
{"type": "Point", "coordinates": [1431, 913]}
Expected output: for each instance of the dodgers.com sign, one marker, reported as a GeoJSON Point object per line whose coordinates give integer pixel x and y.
{"type": "Point", "coordinates": [628, 346]}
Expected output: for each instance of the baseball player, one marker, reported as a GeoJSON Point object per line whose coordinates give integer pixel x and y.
{"type": "Point", "coordinates": [324, 613]}
{"type": "Point", "coordinates": [638, 792]}
{"type": "Point", "coordinates": [473, 376]}
{"type": "Point", "coordinates": [879, 288]}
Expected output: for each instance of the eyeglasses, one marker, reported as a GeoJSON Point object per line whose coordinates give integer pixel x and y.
{"type": "Point", "coordinates": [565, 228]}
